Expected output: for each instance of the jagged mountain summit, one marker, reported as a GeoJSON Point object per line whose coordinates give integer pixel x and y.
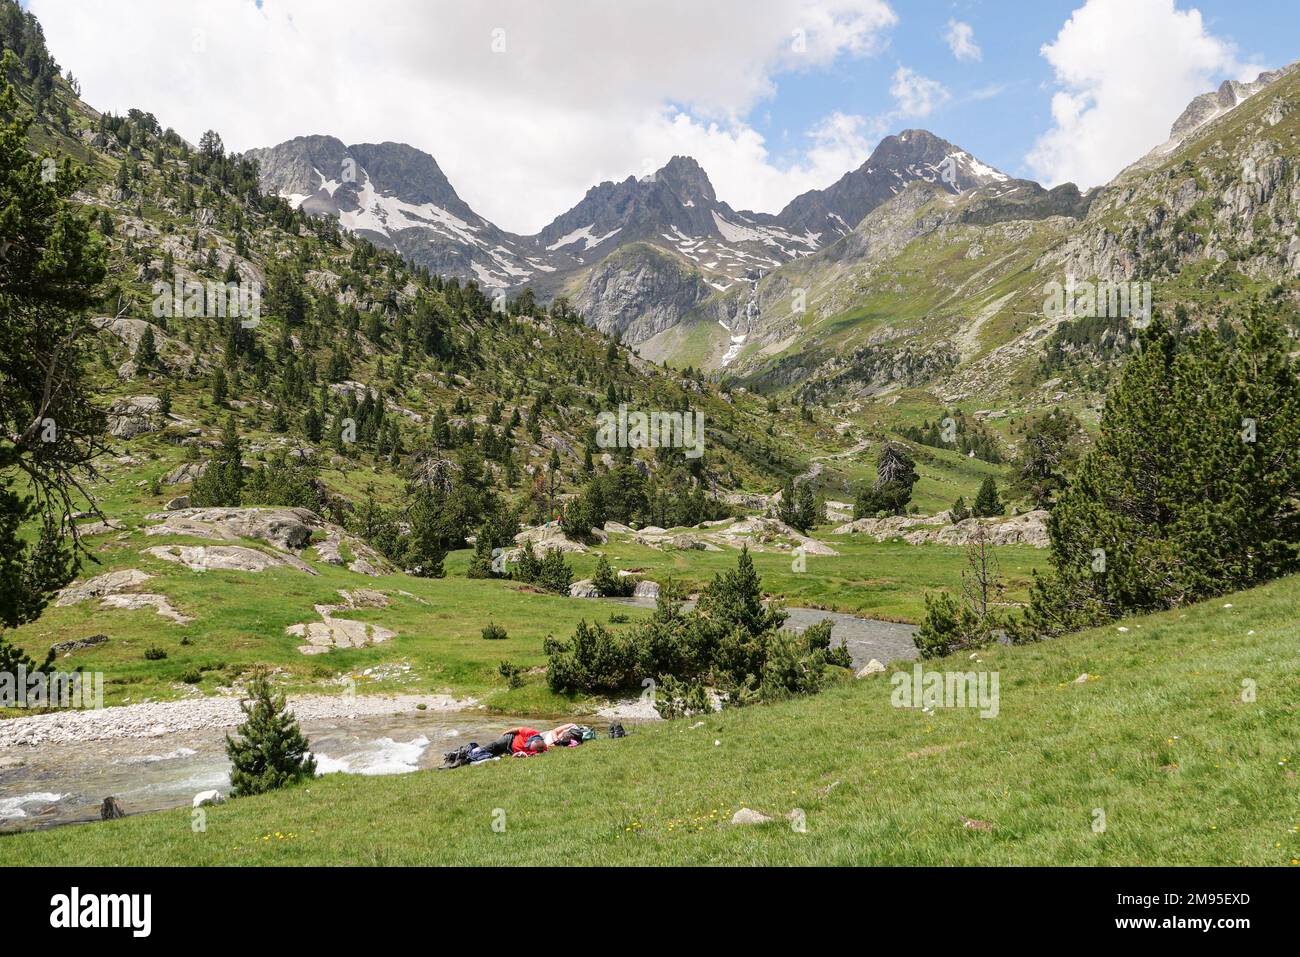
{"type": "Point", "coordinates": [676, 207]}
{"type": "Point", "coordinates": [692, 250]}
{"type": "Point", "coordinates": [910, 156]}
{"type": "Point", "coordinates": [1210, 106]}
{"type": "Point", "coordinates": [397, 197]}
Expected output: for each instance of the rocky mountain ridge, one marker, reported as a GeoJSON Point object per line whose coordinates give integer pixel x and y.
{"type": "Point", "coordinates": [398, 197]}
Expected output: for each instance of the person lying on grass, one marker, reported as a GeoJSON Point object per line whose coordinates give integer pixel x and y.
{"type": "Point", "coordinates": [517, 741]}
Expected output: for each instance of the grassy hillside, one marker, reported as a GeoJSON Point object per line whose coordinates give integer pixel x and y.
{"type": "Point", "coordinates": [239, 618]}
{"type": "Point", "coordinates": [1160, 740]}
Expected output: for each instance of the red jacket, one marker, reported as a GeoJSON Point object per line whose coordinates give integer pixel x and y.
{"type": "Point", "coordinates": [520, 743]}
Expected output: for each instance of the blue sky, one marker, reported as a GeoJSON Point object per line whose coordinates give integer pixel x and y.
{"type": "Point", "coordinates": [1000, 129]}
{"type": "Point", "coordinates": [581, 91]}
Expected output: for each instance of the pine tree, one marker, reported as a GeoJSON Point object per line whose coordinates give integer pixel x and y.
{"type": "Point", "coordinates": [988, 504]}
{"type": "Point", "coordinates": [222, 482]}
{"type": "Point", "coordinates": [735, 600]}
{"type": "Point", "coordinates": [441, 429]}
{"type": "Point", "coordinates": [892, 491]}
{"type": "Point", "coordinates": [806, 509]}
{"type": "Point", "coordinates": [51, 265]}
{"type": "Point", "coordinates": [427, 541]}
{"type": "Point", "coordinates": [219, 386]}
{"type": "Point", "coordinates": [270, 751]}
{"type": "Point", "coordinates": [146, 353]}
{"type": "Point", "coordinates": [786, 509]}
{"type": "Point", "coordinates": [798, 506]}
{"type": "Point", "coordinates": [1046, 458]}
{"type": "Point", "coordinates": [313, 424]}
{"type": "Point", "coordinates": [609, 584]}
{"type": "Point", "coordinates": [1190, 490]}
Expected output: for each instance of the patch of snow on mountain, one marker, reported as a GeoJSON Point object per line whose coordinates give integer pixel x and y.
{"type": "Point", "coordinates": [329, 185]}
{"type": "Point", "coordinates": [734, 233]}
{"type": "Point", "coordinates": [980, 169]}
{"type": "Point", "coordinates": [388, 214]}
{"type": "Point", "coordinates": [500, 254]}
{"type": "Point", "coordinates": [585, 235]}
{"type": "Point", "coordinates": [485, 276]}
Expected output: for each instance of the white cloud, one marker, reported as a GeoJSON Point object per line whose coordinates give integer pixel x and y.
{"type": "Point", "coordinates": [961, 40]}
{"type": "Point", "coordinates": [916, 95]}
{"type": "Point", "coordinates": [738, 162]}
{"type": "Point", "coordinates": [582, 90]}
{"type": "Point", "coordinates": [1125, 69]}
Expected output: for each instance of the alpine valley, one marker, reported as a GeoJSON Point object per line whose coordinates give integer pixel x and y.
{"type": "Point", "coordinates": [300, 421]}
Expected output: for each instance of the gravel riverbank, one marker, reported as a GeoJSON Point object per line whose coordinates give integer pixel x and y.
{"type": "Point", "coordinates": [157, 719]}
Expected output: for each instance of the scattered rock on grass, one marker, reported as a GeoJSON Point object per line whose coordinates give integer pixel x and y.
{"type": "Point", "coordinates": [62, 648]}
{"type": "Point", "coordinates": [98, 528]}
{"type": "Point", "coordinates": [365, 598]}
{"type": "Point", "coordinates": [330, 632]}
{"type": "Point", "coordinates": [186, 472]}
{"type": "Point", "coordinates": [158, 603]}
{"type": "Point", "coordinates": [109, 583]}
{"type": "Point", "coordinates": [748, 816]}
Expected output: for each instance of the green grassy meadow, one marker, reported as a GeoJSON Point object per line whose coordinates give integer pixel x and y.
{"type": "Point", "coordinates": [239, 618]}
{"type": "Point", "coordinates": [1164, 745]}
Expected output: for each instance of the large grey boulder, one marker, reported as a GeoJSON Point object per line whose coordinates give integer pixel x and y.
{"type": "Point", "coordinates": [173, 354]}
{"type": "Point", "coordinates": [646, 589]}
{"type": "Point", "coordinates": [547, 538]}
{"type": "Point", "coordinates": [365, 560]}
{"type": "Point", "coordinates": [187, 472]}
{"type": "Point", "coordinates": [238, 558]}
{"type": "Point", "coordinates": [1028, 529]}
{"type": "Point", "coordinates": [134, 415]}
{"type": "Point", "coordinates": [872, 667]}
{"type": "Point", "coordinates": [61, 648]}
{"type": "Point", "coordinates": [110, 583]}
{"type": "Point", "coordinates": [583, 589]}
{"type": "Point", "coordinates": [288, 529]}
{"type": "Point", "coordinates": [330, 632]}
{"type": "Point", "coordinates": [137, 600]}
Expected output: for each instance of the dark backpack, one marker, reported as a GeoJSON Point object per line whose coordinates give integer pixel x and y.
{"type": "Point", "coordinates": [616, 731]}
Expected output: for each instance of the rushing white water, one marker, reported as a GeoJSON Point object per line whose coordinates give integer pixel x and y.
{"type": "Point", "coordinates": [384, 756]}
{"type": "Point", "coordinates": [12, 808]}
{"type": "Point", "coordinates": [65, 782]}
